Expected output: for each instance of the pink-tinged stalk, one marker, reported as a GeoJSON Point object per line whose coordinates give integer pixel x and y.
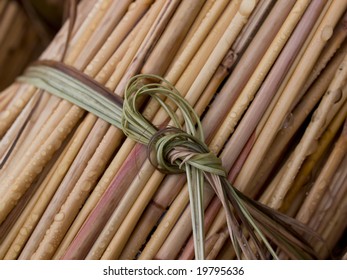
{"type": "Point", "coordinates": [243, 71]}
{"type": "Point", "coordinates": [272, 83]}
{"type": "Point", "coordinates": [107, 204]}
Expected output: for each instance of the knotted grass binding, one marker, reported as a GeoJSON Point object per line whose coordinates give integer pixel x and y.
{"type": "Point", "coordinates": [254, 228]}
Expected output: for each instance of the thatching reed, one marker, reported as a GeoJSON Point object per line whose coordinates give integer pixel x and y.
{"type": "Point", "coordinates": [265, 79]}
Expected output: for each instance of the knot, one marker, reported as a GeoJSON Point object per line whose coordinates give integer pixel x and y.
{"type": "Point", "coordinates": [175, 151]}
{"type": "Point", "coordinates": [171, 149]}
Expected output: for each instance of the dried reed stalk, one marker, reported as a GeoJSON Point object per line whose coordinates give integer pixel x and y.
{"type": "Point", "coordinates": [322, 182]}
{"type": "Point", "coordinates": [295, 120]}
{"type": "Point", "coordinates": [243, 70]}
{"type": "Point", "coordinates": [269, 86]}
{"type": "Point", "coordinates": [288, 96]}
{"type": "Point", "coordinates": [327, 220]}
{"type": "Point", "coordinates": [29, 219]}
{"type": "Point", "coordinates": [257, 77]}
{"type": "Point", "coordinates": [305, 173]}
{"type": "Point", "coordinates": [180, 232]}
{"type": "Point", "coordinates": [330, 103]}
{"type": "Point", "coordinates": [253, 187]}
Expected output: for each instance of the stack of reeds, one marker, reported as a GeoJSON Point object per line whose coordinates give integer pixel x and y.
{"type": "Point", "coordinates": [268, 80]}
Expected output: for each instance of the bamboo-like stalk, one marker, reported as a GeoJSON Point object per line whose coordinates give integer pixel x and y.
{"type": "Point", "coordinates": [28, 220]}
{"type": "Point", "coordinates": [227, 252]}
{"type": "Point", "coordinates": [334, 229]}
{"type": "Point", "coordinates": [253, 187]}
{"type": "Point", "coordinates": [127, 203]}
{"type": "Point", "coordinates": [154, 210]}
{"type": "Point", "coordinates": [253, 24]}
{"type": "Point", "coordinates": [12, 133]}
{"type": "Point", "coordinates": [6, 96]}
{"type": "Point", "coordinates": [31, 129]}
{"type": "Point", "coordinates": [120, 69]}
{"type": "Point", "coordinates": [207, 12]}
{"type": "Point", "coordinates": [171, 39]}
{"type": "Point", "coordinates": [244, 68]}
{"type": "Point", "coordinates": [297, 117]}
{"type": "Point", "coordinates": [50, 187]}
{"type": "Point", "coordinates": [180, 232]}
{"type": "Point", "coordinates": [85, 32]}
{"type": "Point", "coordinates": [114, 165]}
{"type": "Point", "coordinates": [106, 71]}
{"type": "Point", "coordinates": [229, 36]}
{"type": "Point", "coordinates": [258, 76]}
{"type": "Point", "coordinates": [322, 182]}
{"type": "Point", "coordinates": [288, 96]}
{"type": "Point", "coordinates": [269, 87]}
{"type": "Point", "coordinates": [311, 151]}
{"type": "Point", "coordinates": [217, 245]}
{"type": "Point", "coordinates": [115, 41]}
{"type": "Point", "coordinates": [180, 73]}
{"type": "Point", "coordinates": [84, 184]}
{"type": "Point", "coordinates": [55, 215]}
{"type": "Point", "coordinates": [168, 221]}
{"type": "Point", "coordinates": [335, 42]}
{"type": "Point", "coordinates": [40, 159]}
{"type": "Point", "coordinates": [310, 162]}
{"type": "Point", "coordinates": [327, 220]}
{"type": "Point", "coordinates": [16, 212]}
{"type": "Point", "coordinates": [13, 109]}
{"type": "Point", "coordinates": [330, 103]}
{"type": "Point", "coordinates": [227, 160]}
{"type": "Point", "coordinates": [123, 218]}
{"type": "Point", "coordinates": [47, 53]}
{"type": "Point", "coordinates": [114, 13]}
{"type": "Point", "coordinates": [231, 59]}
{"type": "Point", "coordinates": [300, 114]}
{"type": "Point", "coordinates": [152, 38]}
{"type": "Point", "coordinates": [331, 199]}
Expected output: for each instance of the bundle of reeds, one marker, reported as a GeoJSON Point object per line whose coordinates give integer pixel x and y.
{"type": "Point", "coordinates": [268, 81]}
